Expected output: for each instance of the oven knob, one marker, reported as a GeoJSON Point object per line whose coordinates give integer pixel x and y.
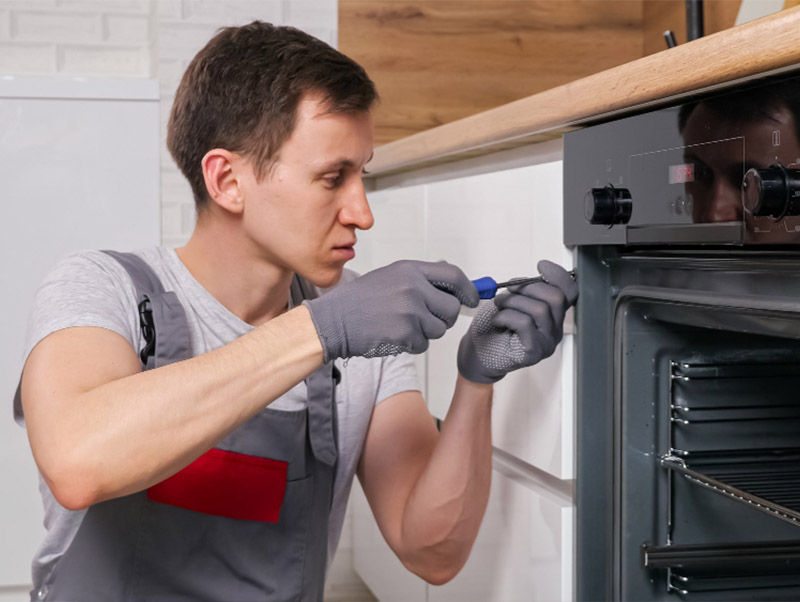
{"type": "Point", "coordinates": [608, 205]}
{"type": "Point", "coordinates": [773, 191]}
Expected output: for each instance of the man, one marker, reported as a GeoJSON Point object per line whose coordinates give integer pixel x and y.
{"type": "Point", "coordinates": [197, 415]}
{"type": "Point", "coordinates": [715, 131]}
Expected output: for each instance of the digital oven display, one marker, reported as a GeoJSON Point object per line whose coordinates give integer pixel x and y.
{"type": "Point", "coordinates": [680, 174]}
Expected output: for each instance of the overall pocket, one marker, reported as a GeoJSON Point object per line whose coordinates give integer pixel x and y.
{"type": "Point", "coordinates": [245, 476]}
{"type": "Point", "coordinates": [226, 483]}
{"type": "Point", "coordinates": [234, 527]}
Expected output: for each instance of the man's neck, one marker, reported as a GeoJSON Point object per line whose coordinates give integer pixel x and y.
{"type": "Point", "coordinates": [251, 288]}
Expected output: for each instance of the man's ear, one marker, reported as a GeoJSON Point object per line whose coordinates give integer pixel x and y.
{"type": "Point", "coordinates": [222, 184]}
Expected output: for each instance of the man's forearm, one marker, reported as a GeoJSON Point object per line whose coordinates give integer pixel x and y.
{"type": "Point", "coordinates": [128, 433]}
{"type": "Point", "coordinates": [447, 504]}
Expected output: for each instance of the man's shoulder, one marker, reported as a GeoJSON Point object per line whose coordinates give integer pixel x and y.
{"type": "Point", "coordinates": [96, 260]}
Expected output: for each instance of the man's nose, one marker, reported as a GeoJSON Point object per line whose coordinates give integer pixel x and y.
{"type": "Point", "coordinates": [726, 202]}
{"type": "Point", "coordinates": [355, 209]}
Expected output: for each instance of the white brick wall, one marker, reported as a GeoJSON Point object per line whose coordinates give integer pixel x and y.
{"type": "Point", "coordinates": [43, 25]}
{"type": "Point", "coordinates": [5, 25]}
{"type": "Point", "coordinates": [121, 28]}
{"type": "Point", "coordinates": [24, 57]}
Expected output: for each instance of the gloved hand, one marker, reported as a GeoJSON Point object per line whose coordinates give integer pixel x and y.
{"type": "Point", "coordinates": [391, 310]}
{"type": "Point", "coordinates": [520, 328]}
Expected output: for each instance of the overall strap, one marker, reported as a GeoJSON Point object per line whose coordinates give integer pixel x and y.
{"type": "Point", "coordinates": [321, 388]}
{"type": "Point", "coordinates": [162, 318]}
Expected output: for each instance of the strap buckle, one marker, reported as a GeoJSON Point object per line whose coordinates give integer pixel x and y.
{"type": "Point", "coordinates": [148, 330]}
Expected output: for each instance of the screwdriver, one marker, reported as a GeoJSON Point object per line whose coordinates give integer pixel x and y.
{"type": "Point", "coordinates": [487, 287]}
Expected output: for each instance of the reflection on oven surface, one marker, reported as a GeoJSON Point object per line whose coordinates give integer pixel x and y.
{"type": "Point", "coordinates": [715, 155]}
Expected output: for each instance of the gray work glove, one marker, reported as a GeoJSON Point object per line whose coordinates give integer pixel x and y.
{"type": "Point", "coordinates": [391, 310]}
{"type": "Point", "coordinates": [520, 328]}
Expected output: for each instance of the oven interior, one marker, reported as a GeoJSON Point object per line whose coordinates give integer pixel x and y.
{"type": "Point", "coordinates": [708, 497]}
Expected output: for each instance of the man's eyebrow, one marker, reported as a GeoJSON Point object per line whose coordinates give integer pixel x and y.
{"type": "Point", "coordinates": [339, 163]}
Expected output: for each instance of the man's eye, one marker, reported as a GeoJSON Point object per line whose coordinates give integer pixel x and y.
{"type": "Point", "coordinates": [703, 173]}
{"type": "Point", "coordinates": [332, 180]}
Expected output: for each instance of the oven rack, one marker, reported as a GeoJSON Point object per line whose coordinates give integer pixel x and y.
{"type": "Point", "coordinates": [720, 403]}
{"type": "Point", "coordinates": [720, 567]}
{"type": "Point", "coordinates": [684, 585]}
{"type": "Point", "coordinates": [714, 411]}
{"type": "Point", "coordinates": [712, 393]}
{"type": "Point", "coordinates": [771, 486]}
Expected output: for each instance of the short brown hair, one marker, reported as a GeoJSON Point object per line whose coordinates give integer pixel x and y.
{"type": "Point", "coordinates": [241, 92]}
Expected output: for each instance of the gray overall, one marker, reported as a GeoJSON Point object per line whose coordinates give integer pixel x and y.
{"type": "Point", "coordinates": [231, 533]}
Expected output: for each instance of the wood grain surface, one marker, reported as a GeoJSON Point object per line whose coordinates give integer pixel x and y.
{"type": "Point", "coordinates": [760, 46]}
{"type": "Point", "coordinates": [436, 61]}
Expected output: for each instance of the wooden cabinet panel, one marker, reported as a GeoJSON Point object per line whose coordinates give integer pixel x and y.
{"type": "Point", "coordinates": [435, 61]}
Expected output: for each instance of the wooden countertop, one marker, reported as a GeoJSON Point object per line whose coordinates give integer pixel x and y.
{"type": "Point", "coordinates": [761, 46]}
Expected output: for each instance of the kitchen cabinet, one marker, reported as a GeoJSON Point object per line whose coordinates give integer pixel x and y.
{"type": "Point", "coordinates": [524, 548]}
{"type": "Point", "coordinates": [375, 562]}
{"type": "Point", "coordinates": [465, 164]}
{"type": "Point", "coordinates": [496, 217]}
{"type": "Point", "coordinates": [500, 224]}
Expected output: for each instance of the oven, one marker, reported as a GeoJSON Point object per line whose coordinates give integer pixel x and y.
{"type": "Point", "coordinates": [686, 222]}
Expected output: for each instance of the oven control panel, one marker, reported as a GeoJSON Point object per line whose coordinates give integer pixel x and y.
{"type": "Point", "coordinates": [772, 192]}
{"type": "Point", "coordinates": [607, 205]}
{"type": "Point", "coordinates": [721, 169]}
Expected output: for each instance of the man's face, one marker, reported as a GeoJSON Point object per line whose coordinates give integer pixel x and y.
{"type": "Point", "coordinates": [303, 215]}
{"type": "Point", "coordinates": [717, 187]}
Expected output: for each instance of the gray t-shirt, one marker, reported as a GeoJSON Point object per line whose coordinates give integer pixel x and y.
{"type": "Point", "coordinates": [90, 288]}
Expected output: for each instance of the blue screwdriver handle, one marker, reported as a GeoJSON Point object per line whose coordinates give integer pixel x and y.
{"type": "Point", "coordinates": [487, 287]}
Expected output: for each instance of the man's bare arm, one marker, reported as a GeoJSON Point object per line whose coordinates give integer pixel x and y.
{"type": "Point", "coordinates": [429, 490]}
{"type": "Point", "coordinates": [100, 428]}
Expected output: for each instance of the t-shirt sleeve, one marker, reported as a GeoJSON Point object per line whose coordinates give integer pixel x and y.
{"type": "Point", "coordinates": [88, 288]}
{"type": "Point", "coordinates": [398, 374]}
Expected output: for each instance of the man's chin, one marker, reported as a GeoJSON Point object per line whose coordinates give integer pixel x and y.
{"type": "Point", "coordinates": [325, 278]}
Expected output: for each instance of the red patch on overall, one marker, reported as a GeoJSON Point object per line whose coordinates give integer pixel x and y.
{"type": "Point", "coordinates": [229, 484]}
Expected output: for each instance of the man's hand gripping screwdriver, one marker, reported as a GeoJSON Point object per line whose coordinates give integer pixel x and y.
{"type": "Point", "coordinates": [487, 286]}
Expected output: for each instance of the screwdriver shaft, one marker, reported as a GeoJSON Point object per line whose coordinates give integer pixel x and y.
{"type": "Point", "coordinates": [523, 281]}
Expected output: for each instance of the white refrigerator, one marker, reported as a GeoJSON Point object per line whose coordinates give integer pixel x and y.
{"type": "Point", "coordinates": [79, 168]}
